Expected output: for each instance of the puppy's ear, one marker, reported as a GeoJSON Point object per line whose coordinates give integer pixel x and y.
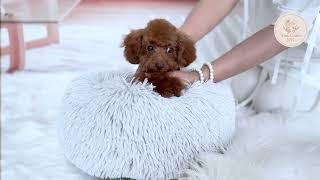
{"type": "Point", "coordinates": [186, 50]}
{"type": "Point", "coordinates": [132, 45]}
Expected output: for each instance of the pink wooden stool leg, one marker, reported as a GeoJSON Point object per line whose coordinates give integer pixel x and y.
{"type": "Point", "coordinates": [17, 47]}
{"type": "Point", "coordinates": [53, 32]}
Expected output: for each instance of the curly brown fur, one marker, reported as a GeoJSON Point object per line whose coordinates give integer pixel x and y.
{"type": "Point", "coordinates": [159, 48]}
{"type": "Point", "coordinates": [165, 85]}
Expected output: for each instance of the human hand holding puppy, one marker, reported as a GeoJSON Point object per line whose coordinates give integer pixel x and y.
{"type": "Point", "coordinates": [258, 48]}
{"type": "Point", "coordinates": [158, 49]}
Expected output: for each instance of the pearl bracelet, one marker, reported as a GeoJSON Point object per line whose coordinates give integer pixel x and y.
{"type": "Point", "coordinates": [211, 76]}
{"type": "Point", "coordinates": [200, 75]}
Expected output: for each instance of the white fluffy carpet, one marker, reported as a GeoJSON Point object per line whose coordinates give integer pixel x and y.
{"type": "Point", "coordinates": [30, 102]}
{"type": "Point", "coordinates": [266, 147]}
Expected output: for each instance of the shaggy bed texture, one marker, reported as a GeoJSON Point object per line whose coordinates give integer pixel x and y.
{"type": "Point", "coordinates": [113, 128]}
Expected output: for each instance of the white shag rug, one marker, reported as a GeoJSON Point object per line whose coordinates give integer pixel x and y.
{"type": "Point", "coordinates": [113, 128]}
{"type": "Point", "coordinates": [266, 147]}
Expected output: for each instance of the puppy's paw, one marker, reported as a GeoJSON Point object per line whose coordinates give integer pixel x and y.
{"type": "Point", "coordinates": [168, 86]}
{"type": "Point", "coordinates": [169, 91]}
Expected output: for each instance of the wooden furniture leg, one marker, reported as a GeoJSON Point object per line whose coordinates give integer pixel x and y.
{"type": "Point", "coordinates": [17, 47]}
{"type": "Point", "coordinates": [53, 32]}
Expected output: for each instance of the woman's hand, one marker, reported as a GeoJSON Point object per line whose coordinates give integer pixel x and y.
{"type": "Point", "coordinates": [185, 77]}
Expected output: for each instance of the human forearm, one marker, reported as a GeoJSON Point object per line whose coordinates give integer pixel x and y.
{"type": "Point", "coordinates": [251, 52]}
{"type": "Point", "coordinates": [205, 15]}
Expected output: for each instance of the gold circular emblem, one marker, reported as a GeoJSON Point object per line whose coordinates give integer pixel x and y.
{"type": "Point", "coordinates": [290, 30]}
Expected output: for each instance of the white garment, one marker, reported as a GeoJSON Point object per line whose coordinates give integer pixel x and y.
{"type": "Point", "coordinates": [308, 9]}
{"type": "Point", "coordinates": [261, 13]}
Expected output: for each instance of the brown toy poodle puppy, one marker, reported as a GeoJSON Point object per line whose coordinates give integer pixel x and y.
{"type": "Point", "coordinates": [159, 48]}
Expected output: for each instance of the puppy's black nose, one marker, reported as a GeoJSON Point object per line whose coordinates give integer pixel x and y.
{"type": "Point", "coordinates": [159, 66]}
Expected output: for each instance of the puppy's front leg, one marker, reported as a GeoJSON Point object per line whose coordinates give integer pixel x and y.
{"type": "Point", "coordinates": [169, 87]}
{"type": "Point", "coordinates": [139, 76]}
{"type": "Point", "coordinates": [165, 85]}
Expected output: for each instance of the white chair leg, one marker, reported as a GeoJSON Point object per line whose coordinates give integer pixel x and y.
{"type": "Point", "coordinates": [316, 106]}
{"type": "Point", "coordinates": [306, 60]}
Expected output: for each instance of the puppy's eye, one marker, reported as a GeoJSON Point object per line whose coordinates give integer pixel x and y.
{"type": "Point", "coordinates": [150, 48]}
{"type": "Point", "coordinates": [169, 50]}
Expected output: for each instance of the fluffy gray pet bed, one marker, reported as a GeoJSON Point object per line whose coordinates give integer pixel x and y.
{"type": "Point", "coordinates": [112, 128]}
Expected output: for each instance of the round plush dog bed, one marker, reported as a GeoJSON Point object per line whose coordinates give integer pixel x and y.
{"type": "Point", "coordinates": [114, 128]}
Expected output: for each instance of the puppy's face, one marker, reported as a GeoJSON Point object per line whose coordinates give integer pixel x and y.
{"type": "Point", "coordinates": [159, 47]}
